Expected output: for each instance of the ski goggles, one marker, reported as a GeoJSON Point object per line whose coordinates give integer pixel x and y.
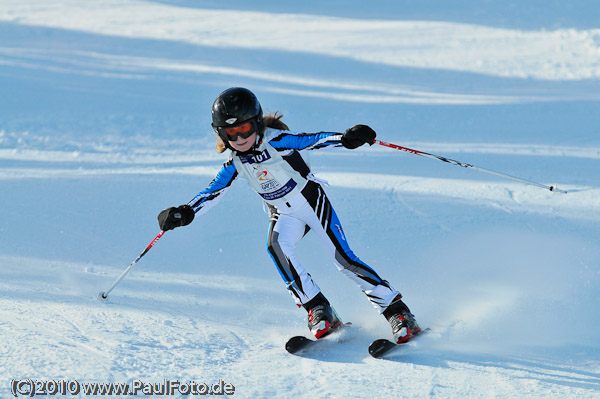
{"type": "Point", "coordinates": [231, 133]}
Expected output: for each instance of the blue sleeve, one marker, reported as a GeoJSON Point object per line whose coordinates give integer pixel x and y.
{"type": "Point", "coordinates": [212, 194]}
{"type": "Point", "coordinates": [305, 141]}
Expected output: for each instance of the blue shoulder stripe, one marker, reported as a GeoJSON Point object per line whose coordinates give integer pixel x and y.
{"type": "Point", "coordinates": [217, 186]}
{"type": "Point", "coordinates": [305, 141]}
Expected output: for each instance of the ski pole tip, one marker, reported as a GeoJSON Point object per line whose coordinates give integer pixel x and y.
{"type": "Point", "coordinates": [554, 188]}
{"type": "Point", "coordinates": [102, 296]}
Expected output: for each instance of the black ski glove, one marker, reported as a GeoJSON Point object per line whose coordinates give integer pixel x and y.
{"type": "Point", "coordinates": [172, 217]}
{"type": "Point", "coordinates": [358, 135]}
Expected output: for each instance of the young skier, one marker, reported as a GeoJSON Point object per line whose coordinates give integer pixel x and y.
{"type": "Point", "coordinates": [266, 154]}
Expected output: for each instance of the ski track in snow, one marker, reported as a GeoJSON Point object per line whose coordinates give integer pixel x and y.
{"type": "Point", "coordinates": [104, 65]}
{"type": "Point", "coordinates": [23, 146]}
{"type": "Point", "coordinates": [581, 202]}
{"type": "Point", "coordinates": [560, 54]}
{"type": "Point", "coordinates": [60, 329]}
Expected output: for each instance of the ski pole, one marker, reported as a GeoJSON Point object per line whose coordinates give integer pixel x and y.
{"type": "Point", "coordinates": [466, 165]}
{"type": "Point", "coordinates": [103, 296]}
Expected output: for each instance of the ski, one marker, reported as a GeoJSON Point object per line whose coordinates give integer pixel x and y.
{"type": "Point", "coordinates": [382, 347]}
{"type": "Point", "coordinates": [299, 343]}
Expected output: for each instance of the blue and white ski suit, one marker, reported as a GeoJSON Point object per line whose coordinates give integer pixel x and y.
{"type": "Point", "coordinates": [277, 171]}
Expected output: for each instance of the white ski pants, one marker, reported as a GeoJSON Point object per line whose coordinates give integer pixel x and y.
{"type": "Point", "coordinates": [313, 211]}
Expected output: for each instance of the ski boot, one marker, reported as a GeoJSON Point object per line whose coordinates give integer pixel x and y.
{"type": "Point", "coordinates": [404, 325]}
{"type": "Point", "coordinates": [322, 318]}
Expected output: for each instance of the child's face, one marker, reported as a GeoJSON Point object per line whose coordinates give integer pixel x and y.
{"type": "Point", "coordinates": [243, 145]}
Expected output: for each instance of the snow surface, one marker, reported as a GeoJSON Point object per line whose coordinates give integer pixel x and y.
{"type": "Point", "coordinates": [104, 121]}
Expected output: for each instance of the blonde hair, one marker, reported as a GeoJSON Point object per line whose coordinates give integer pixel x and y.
{"type": "Point", "coordinates": [272, 120]}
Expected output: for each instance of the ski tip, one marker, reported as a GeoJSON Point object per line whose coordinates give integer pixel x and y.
{"type": "Point", "coordinates": [380, 347]}
{"type": "Point", "coordinates": [300, 342]}
{"type": "Point", "coordinates": [296, 343]}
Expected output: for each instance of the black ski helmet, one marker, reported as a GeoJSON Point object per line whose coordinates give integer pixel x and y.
{"type": "Point", "coordinates": [235, 106]}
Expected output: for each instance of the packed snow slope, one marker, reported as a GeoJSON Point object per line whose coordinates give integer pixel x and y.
{"type": "Point", "coordinates": [105, 120]}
